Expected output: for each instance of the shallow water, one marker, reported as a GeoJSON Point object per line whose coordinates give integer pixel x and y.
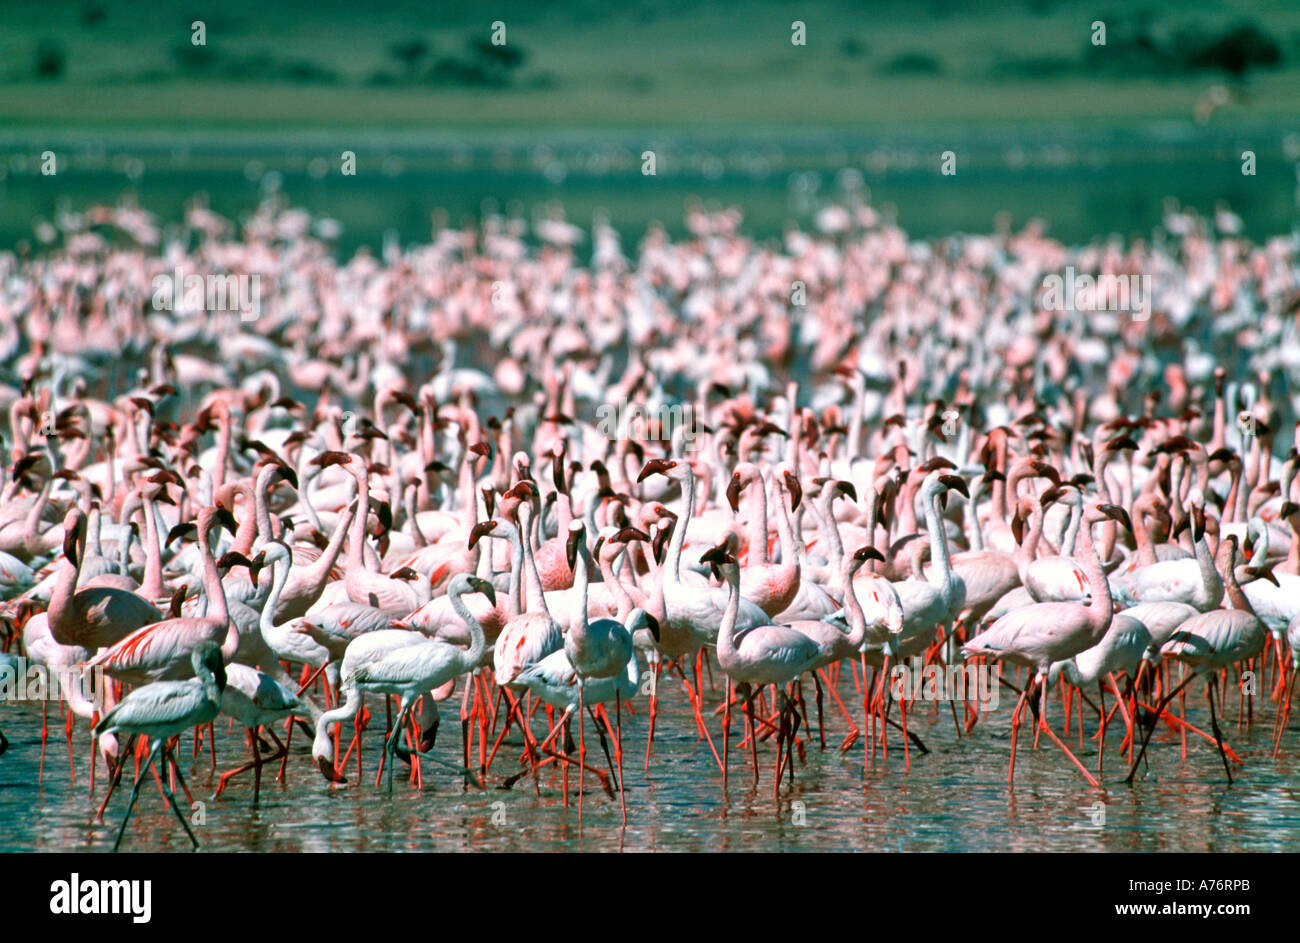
{"type": "Point", "coordinates": [954, 799]}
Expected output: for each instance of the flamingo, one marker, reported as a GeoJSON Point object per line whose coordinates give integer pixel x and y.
{"type": "Point", "coordinates": [397, 661]}
{"type": "Point", "coordinates": [1038, 635]}
{"type": "Point", "coordinates": [162, 709]}
{"type": "Point", "coordinates": [256, 700]}
{"type": "Point", "coordinates": [160, 651]}
{"type": "Point", "coordinates": [95, 617]}
{"type": "Point", "coordinates": [764, 654]}
{"type": "Point", "coordinates": [1207, 642]}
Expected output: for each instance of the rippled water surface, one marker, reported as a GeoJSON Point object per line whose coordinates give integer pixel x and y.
{"type": "Point", "coordinates": [954, 799]}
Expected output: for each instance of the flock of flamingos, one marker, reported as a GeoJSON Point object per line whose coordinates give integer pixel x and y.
{"type": "Point", "coordinates": [836, 462]}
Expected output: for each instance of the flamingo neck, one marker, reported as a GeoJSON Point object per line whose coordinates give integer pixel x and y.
{"type": "Point", "coordinates": [857, 620]}
{"type": "Point", "coordinates": [1100, 605]}
{"type": "Point", "coordinates": [616, 588]}
{"type": "Point", "coordinates": [758, 521]}
{"type": "Point", "coordinates": [726, 630]}
{"type": "Point", "coordinates": [673, 563]}
{"type": "Point", "coordinates": [477, 640]}
{"type": "Point", "coordinates": [1210, 592]}
{"type": "Point", "coordinates": [280, 567]}
{"type": "Point", "coordinates": [941, 569]}
{"type": "Point", "coordinates": [153, 583]}
{"type": "Point", "coordinates": [535, 595]}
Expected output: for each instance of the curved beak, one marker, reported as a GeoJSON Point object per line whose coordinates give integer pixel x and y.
{"type": "Point", "coordinates": [227, 519]}
{"type": "Point", "coordinates": [656, 466]}
{"type": "Point", "coordinates": [180, 530]}
{"type": "Point", "coordinates": [1117, 513]}
{"type": "Point", "coordinates": [481, 529]}
{"type": "Point", "coordinates": [955, 483]}
{"type": "Point", "coordinates": [795, 489]}
{"type": "Point", "coordinates": [486, 588]}
{"type": "Point", "coordinates": [733, 492]}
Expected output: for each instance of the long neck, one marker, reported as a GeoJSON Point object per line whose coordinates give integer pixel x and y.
{"type": "Point", "coordinates": [38, 509]}
{"type": "Point", "coordinates": [153, 582]}
{"type": "Point", "coordinates": [1100, 605]}
{"type": "Point", "coordinates": [758, 521]}
{"type": "Point", "coordinates": [581, 579]}
{"type": "Point", "coordinates": [1236, 597]}
{"type": "Point", "coordinates": [319, 570]}
{"type": "Point", "coordinates": [261, 504]}
{"type": "Point", "coordinates": [941, 571]}
{"type": "Point", "coordinates": [65, 586]}
{"type": "Point", "coordinates": [1142, 534]}
{"type": "Point", "coordinates": [477, 641]}
{"type": "Point", "coordinates": [1240, 485]}
{"type": "Point", "coordinates": [223, 450]}
{"type": "Point", "coordinates": [515, 605]}
{"type": "Point", "coordinates": [1210, 592]}
{"type": "Point", "coordinates": [857, 620]}
{"type": "Point", "coordinates": [672, 565]}
{"type": "Point", "coordinates": [975, 534]}
{"type": "Point", "coordinates": [280, 566]}
{"type": "Point", "coordinates": [1071, 534]}
{"type": "Point", "coordinates": [467, 505]}
{"type": "Point", "coordinates": [246, 534]}
{"type": "Point", "coordinates": [535, 600]}
{"type": "Point", "coordinates": [789, 553]}
{"type": "Point", "coordinates": [831, 530]}
{"type": "Point", "coordinates": [357, 539]}
{"type": "Point", "coordinates": [616, 588]}
{"type": "Point", "coordinates": [215, 595]}
{"type": "Point", "coordinates": [726, 630]}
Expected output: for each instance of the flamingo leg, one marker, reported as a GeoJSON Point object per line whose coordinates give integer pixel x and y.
{"type": "Point", "coordinates": [1047, 728]}
{"type": "Point", "coordinates": [726, 735]}
{"type": "Point", "coordinates": [582, 746]}
{"type": "Point", "coordinates": [167, 791]}
{"type": "Point", "coordinates": [1214, 725]}
{"type": "Point", "coordinates": [135, 794]}
{"type": "Point", "coordinates": [1151, 725]}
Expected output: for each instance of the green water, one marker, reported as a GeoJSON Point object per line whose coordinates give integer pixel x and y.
{"type": "Point", "coordinates": [1084, 181]}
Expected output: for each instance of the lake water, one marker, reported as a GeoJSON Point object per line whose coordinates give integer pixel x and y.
{"type": "Point", "coordinates": [1085, 180]}
{"type": "Point", "coordinates": [954, 799]}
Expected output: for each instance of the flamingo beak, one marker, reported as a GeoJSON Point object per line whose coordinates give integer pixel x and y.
{"type": "Point", "coordinates": [733, 492]}
{"type": "Point", "coordinates": [481, 529]}
{"type": "Point", "coordinates": [656, 466]}
{"type": "Point", "coordinates": [796, 490]}
{"type": "Point", "coordinates": [327, 770]}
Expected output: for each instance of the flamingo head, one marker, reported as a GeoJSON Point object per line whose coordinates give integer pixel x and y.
{"type": "Point", "coordinates": [577, 533]}
{"type": "Point", "coordinates": [1119, 515]}
{"type": "Point", "coordinates": [480, 585]}
{"type": "Point", "coordinates": [480, 530]}
{"type": "Point", "coordinates": [659, 466]}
